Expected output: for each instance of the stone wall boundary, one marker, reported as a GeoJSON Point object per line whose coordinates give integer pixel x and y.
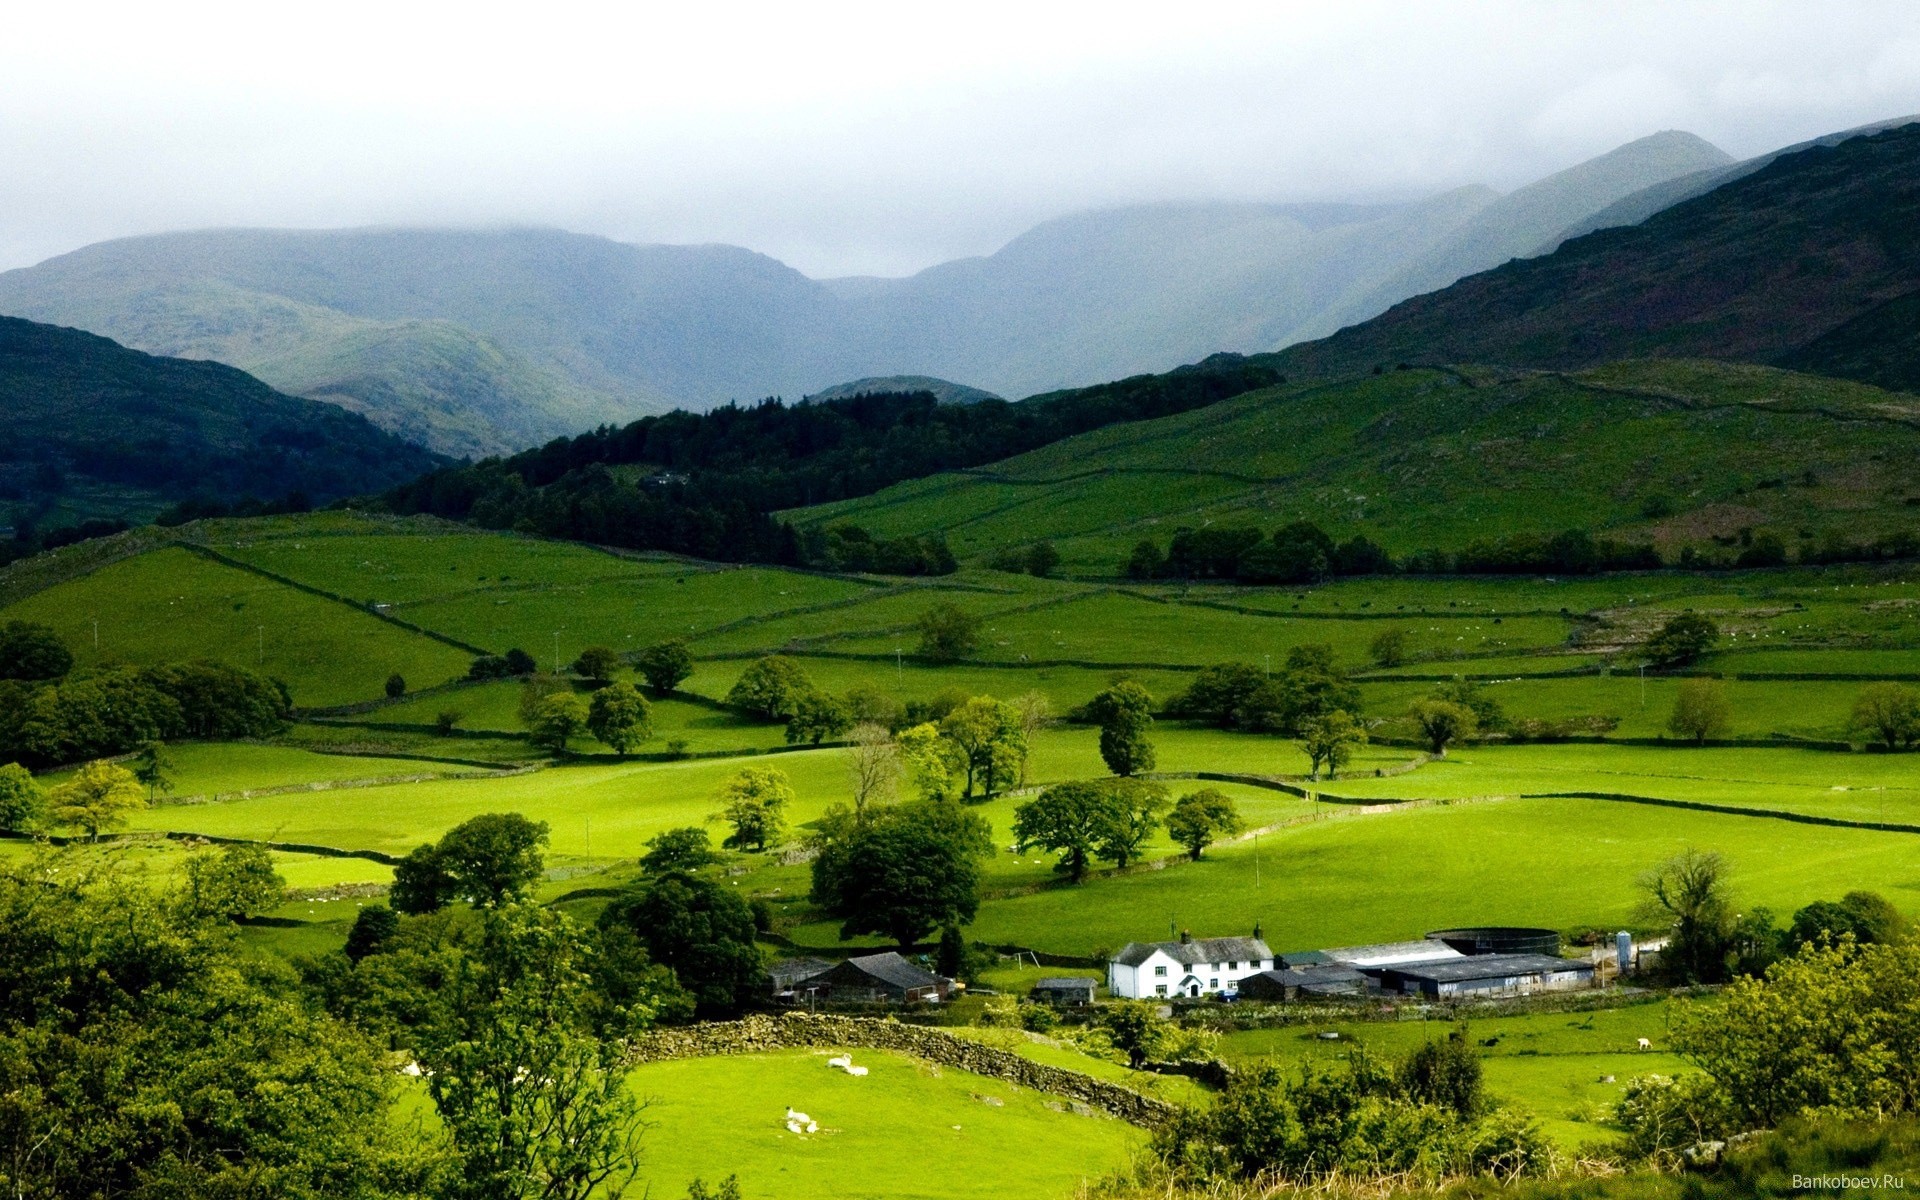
{"type": "Point", "coordinates": [764, 1032]}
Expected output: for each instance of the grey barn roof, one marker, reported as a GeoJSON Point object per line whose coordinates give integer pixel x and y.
{"type": "Point", "coordinates": [1064, 983]}
{"type": "Point", "coordinates": [1392, 954]}
{"type": "Point", "coordinates": [1197, 951]}
{"type": "Point", "coordinates": [891, 968]}
{"type": "Point", "coordinates": [1490, 966]}
{"type": "Point", "coordinates": [1301, 976]}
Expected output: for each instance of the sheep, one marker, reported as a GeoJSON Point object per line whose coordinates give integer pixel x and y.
{"type": "Point", "coordinates": [1646, 1044]}
{"type": "Point", "coordinates": [840, 1061]}
{"type": "Point", "coordinates": [799, 1122]}
{"type": "Point", "coordinates": [857, 1072]}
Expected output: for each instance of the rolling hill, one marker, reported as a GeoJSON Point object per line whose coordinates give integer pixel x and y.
{"type": "Point", "coordinates": [1676, 453]}
{"type": "Point", "coordinates": [89, 428]}
{"type": "Point", "coordinates": [475, 342]}
{"type": "Point", "coordinates": [1813, 262]}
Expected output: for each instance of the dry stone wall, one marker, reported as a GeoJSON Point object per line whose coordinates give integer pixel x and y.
{"type": "Point", "coordinates": [825, 1031]}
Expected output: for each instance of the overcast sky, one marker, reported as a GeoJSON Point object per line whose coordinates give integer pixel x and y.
{"type": "Point", "coordinates": [877, 138]}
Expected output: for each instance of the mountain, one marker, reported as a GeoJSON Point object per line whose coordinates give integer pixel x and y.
{"type": "Point", "coordinates": [89, 428]}
{"type": "Point", "coordinates": [943, 390]}
{"type": "Point", "coordinates": [1680, 454]}
{"type": "Point", "coordinates": [1812, 261]}
{"type": "Point", "coordinates": [477, 342]}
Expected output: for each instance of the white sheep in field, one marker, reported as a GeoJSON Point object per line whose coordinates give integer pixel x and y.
{"type": "Point", "coordinates": [856, 1072]}
{"type": "Point", "coordinates": [799, 1122]}
{"type": "Point", "coordinates": [1645, 1044]}
{"type": "Point", "coordinates": [840, 1061]}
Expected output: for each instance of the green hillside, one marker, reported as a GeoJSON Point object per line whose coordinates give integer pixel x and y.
{"type": "Point", "coordinates": [1677, 453]}
{"type": "Point", "coordinates": [89, 428]}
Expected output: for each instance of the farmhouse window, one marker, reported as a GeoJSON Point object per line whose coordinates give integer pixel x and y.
{"type": "Point", "coordinates": [1160, 989]}
{"type": "Point", "coordinates": [1213, 984]}
{"type": "Point", "coordinates": [1160, 972]}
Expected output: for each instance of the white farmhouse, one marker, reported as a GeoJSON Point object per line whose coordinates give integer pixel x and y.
{"type": "Point", "coordinates": [1189, 967]}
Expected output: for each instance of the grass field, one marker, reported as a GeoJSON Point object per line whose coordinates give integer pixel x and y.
{"type": "Point", "coordinates": [908, 1129]}
{"type": "Point", "coordinates": [205, 770]}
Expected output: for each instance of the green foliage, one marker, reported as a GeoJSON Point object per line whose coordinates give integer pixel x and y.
{"type": "Point", "coordinates": [1241, 696]}
{"type": "Point", "coordinates": [557, 720]}
{"type": "Point", "coordinates": [446, 721]}
{"type": "Point", "coordinates": [32, 652]}
{"type": "Point", "coordinates": [145, 1054]}
{"type": "Point", "coordinates": [1388, 648]}
{"type": "Point", "coordinates": [1201, 818]}
{"type": "Point", "coordinates": [620, 716]}
{"type": "Point", "coordinates": [665, 665]}
{"type": "Point", "coordinates": [1663, 1115]}
{"type": "Point", "coordinates": [114, 711]}
{"type": "Point", "coordinates": [233, 883]}
{"type": "Point", "coordinates": [396, 686]}
{"type": "Point", "coordinates": [1331, 739]}
{"type": "Point", "coordinates": [23, 803]}
{"type": "Point", "coordinates": [1133, 811]}
{"type": "Point", "coordinates": [771, 689]}
{"type": "Point", "coordinates": [684, 849]}
{"type": "Point", "coordinates": [1124, 713]}
{"type": "Point", "coordinates": [1444, 1072]}
{"type": "Point", "coordinates": [817, 717]}
{"type": "Point", "coordinates": [1701, 710]}
{"type": "Point", "coordinates": [948, 633]}
{"type": "Point", "coordinates": [489, 860]}
{"type": "Point", "coordinates": [1682, 640]}
{"type": "Point", "coordinates": [904, 872]}
{"type": "Point", "coordinates": [1689, 895]}
{"type": "Point", "coordinates": [934, 762]}
{"type": "Point", "coordinates": [597, 664]}
{"type": "Point", "coordinates": [1136, 1028]}
{"type": "Point", "coordinates": [700, 930]}
{"type": "Point", "coordinates": [1442, 723]}
{"type": "Point", "coordinates": [991, 742]}
{"type": "Point", "coordinates": [1866, 917]}
{"type": "Point", "coordinates": [1889, 712]}
{"type": "Point", "coordinates": [154, 768]}
{"type": "Point", "coordinates": [373, 927]}
{"type": "Point", "coordinates": [99, 796]}
{"type": "Point", "coordinates": [754, 801]}
{"type": "Point", "coordinates": [420, 883]}
{"type": "Point", "coordinates": [1067, 819]}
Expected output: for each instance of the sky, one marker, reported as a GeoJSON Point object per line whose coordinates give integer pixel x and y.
{"type": "Point", "coordinates": [872, 138]}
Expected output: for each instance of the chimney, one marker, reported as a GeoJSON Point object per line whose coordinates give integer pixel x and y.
{"type": "Point", "coordinates": [1258, 936]}
{"type": "Point", "coordinates": [1186, 938]}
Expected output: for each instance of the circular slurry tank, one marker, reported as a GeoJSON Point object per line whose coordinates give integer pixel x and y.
{"type": "Point", "coordinates": [1499, 939]}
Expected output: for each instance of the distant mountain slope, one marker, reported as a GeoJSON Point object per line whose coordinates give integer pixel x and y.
{"type": "Point", "coordinates": [1678, 453]}
{"type": "Point", "coordinates": [1772, 268]}
{"type": "Point", "coordinates": [481, 341]}
{"type": "Point", "coordinates": [90, 428]}
{"type": "Point", "coordinates": [943, 390]}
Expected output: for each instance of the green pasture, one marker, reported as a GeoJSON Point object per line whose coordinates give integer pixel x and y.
{"type": "Point", "coordinates": [170, 605]}
{"type": "Point", "coordinates": [1552, 1064]}
{"type": "Point", "coordinates": [891, 611]}
{"type": "Point", "coordinates": [969, 1136]}
{"type": "Point", "coordinates": [1817, 709]}
{"type": "Point", "coordinates": [905, 679]}
{"type": "Point", "coordinates": [1359, 877]}
{"type": "Point", "coordinates": [203, 770]}
{"type": "Point", "coordinates": [495, 707]}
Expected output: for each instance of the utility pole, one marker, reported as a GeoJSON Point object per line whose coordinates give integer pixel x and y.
{"type": "Point", "coordinates": [1256, 860]}
{"type": "Point", "coordinates": [589, 841]}
{"type": "Point", "coordinates": [556, 652]}
{"type": "Point", "coordinates": [96, 634]}
{"type": "Point", "coordinates": [260, 634]}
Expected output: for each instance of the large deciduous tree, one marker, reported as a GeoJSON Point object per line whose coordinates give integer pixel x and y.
{"type": "Point", "coordinates": [700, 930]}
{"type": "Point", "coordinates": [1068, 819]}
{"type": "Point", "coordinates": [1442, 723]}
{"type": "Point", "coordinates": [948, 633]}
{"type": "Point", "coordinates": [1201, 818]}
{"type": "Point", "coordinates": [665, 665]}
{"type": "Point", "coordinates": [1330, 739]}
{"type": "Point", "coordinates": [1700, 710]}
{"type": "Point", "coordinates": [620, 717]}
{"type": "Point", "coordinates": [98, 796]}
{"type": "Point", "coordinates": [1890, 713]}
{"type": "Point", "coordinates": [904, 872]}
{"type": "Point", "coordinates": [754, 801]}
{"type": "Point", "coordinates": [1124, 713]}
{"type": "Point", "coordinates": [987, 734]}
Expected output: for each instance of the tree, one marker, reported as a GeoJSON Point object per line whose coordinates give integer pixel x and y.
{"type": "Point", "coordinates": [700, 930]}
{"type": "Point", "coordinates": [948, 633]}
{"type": "Point", "coordinates": [32, 652]}
{"type": "Point", "coordinates": [493, 858]}
{"type": "Point", "coordinates": [665, 665]}
{"type": "Point", "coordinates": [905, 872]}
{"type": "Point", "coordinates": [559, 719]}
{"type": "Point", "coordinates": [873, 768]}
{"type": "Point", "coordinates": [1889, 712]}
{"type": "Point", "coordinates": [235, 882]}
{"type": "Point", "coordinates": [597, 665]}
{"type": "Point", "coordinates": [1146, 561]}
{"type": "Point", "coordinates": [532, 1096]}
{"type": "Point", "coordinates": [1683, 639]}
{"type": "Point", "coordinates": [1042, 559]}
{"type": "Point", "coordinates": [1388, 648]}
{"type": "Point", "coordinates": [620, 716]}
{"type": "Point", "coordinates": [1200, 818]}
{"type": "Point", "coordinates": [519, 662]}
{"type": "Point", "coordinates": [1136, 1030]}
{"type": "Point", "coordinates": [817, 717]}
{"type": "Point", "coordinates": [1221, 695]}
{"type": "Point", "coordinates": [1443, 722]}
{"type": "Point", "coordinates": [1700, 710]}
{"type": "Point", "coordinates": [396, 686]}
{"type": "Point", "coordinates": [373, 928]}
{"type": "Point", "coordinates": [1068, 819]}
{"type": "Point", "coordinates": [1444, 1072]}
{"type": "Point", "coordinates": [1133, 813]}
{"type": "Point", "coordinates": [684, 849]}
{"type": "Point", "coordinates": [1331, 739]}
{"type": "Point", "coordinates": [933, 761]}
{"type": "Point", "coordinates": [536, 689]}
{"type": "Point", "coordinates": [754, 802]}
{"type": "Point", "coordinates": [447, 720]}
{"type": "Point", "coordinates": [1310, 686]}
{"type": "Point", "coordinates": [1866, 917]}
{"type": "Point", "coordinates": [987, 734]}
{"type": "Point", "coordinates": [1124, 713]}
{"type": "Point", "coordinates": [770, 688]}
{"type": "Point", "coordinates": [99, 796]}
{"type": "Point", "coordinates": [1036, 713]}
{"type": "Point", "coordinates": [420, 883]}
{"type": "Point", "coordinates": [153, 767]}
{"type": "Point", "coordinates": [1689, 894]}
{"type": "Point", "coordinates": [23, 804]}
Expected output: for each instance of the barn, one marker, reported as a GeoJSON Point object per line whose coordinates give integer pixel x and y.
{"type": "Point", "coordinates": [1482, 974]}
{"type": "Point", "coordinates": [880, 978]}
{"type": "Point", "coordinates": [1308, 981]}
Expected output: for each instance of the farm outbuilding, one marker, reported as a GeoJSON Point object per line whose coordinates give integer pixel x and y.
{"type": "Point", "coordinates": [790, 977]}
{"type": "Point", "coordinates": [880, 978]}
{"type": "Point", "coordinates": [1064, 991]}
{"type": "Point", "coordinates": [1484, 973]}
{"type": "Point", "coordinates": [1304, 982]}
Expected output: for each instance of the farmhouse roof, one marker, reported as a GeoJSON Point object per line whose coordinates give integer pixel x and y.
{"type": "Point", "coordinates": [1311, 974]}
{"type": "Point", "coordinates": [796, 970]}
{"type": "Point", "coordinates": [1197, 951]}
{"type": "Point", "coordinates": [1490, 966]}
{"type": "Point", "coordinates": [890, 968]}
